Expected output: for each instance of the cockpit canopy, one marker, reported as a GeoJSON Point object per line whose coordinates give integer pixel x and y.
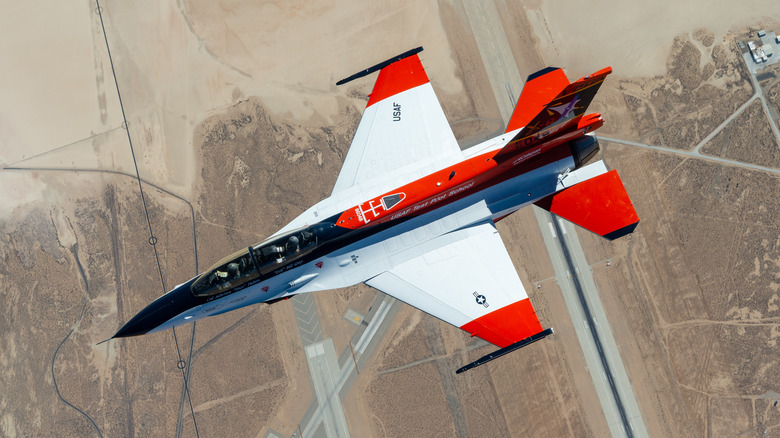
{"type": "Point", "coordinates": [247, 264]}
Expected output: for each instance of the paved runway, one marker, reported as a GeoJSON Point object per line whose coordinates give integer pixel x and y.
{"type": "Point", "coordinates": [307, 319]}
{"type": "Point", "coordinates": [575, 278]}
{"type": "Point", "coordinates": [330, 383]}
{"type": "Point", "coordinates": [617, 399]}
{"type": "Point", "coordinates": [324, 368]}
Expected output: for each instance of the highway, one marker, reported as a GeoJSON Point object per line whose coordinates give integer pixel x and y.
{"type": "Point", "coordinates": [602, 357]}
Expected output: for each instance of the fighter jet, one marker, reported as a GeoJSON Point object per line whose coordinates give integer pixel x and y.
{"type": "Point", "coordinates": [413, 215]}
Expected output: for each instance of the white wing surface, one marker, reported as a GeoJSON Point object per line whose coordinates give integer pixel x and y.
{"type": "Point", "coordinates": [403, 126]}
{"type": "Point", "coordinates": [470, 283]}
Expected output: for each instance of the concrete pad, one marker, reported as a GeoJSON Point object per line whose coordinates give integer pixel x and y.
{"type": "Point", "coordinates": [56, 87]}
{"type": "Point", "coordinates": [354, 317]}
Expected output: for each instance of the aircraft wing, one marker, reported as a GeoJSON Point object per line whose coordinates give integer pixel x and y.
{"type": "Point", "coordinates": [403, 126]}
{"type": "Point", "coordinates": [469, 281]}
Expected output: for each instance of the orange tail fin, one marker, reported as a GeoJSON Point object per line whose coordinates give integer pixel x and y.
{"type": "Point", "coordinates": [550, 105]}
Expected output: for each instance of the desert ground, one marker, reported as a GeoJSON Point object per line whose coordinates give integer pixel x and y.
{"type": "Point", "coordinates": [230, 124]}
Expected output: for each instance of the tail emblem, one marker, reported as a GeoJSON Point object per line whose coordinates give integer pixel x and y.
{"type": "Point", "coordinates": [565, 110]}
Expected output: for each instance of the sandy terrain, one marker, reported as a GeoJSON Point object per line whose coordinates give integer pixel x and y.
{"type": "Point", "coordinates": [59, 75]}
{"type": "Point", "coordinates": [692, 304]}
{"type": "Point", "coordinates": [704, 85]}
{"type": "Point", "coordinates": [633, 37]}
{"type": "Point", "coordinates": [186, 95]}
{"type": "Point", "coordinates": [748, 139]}
{"type": "Point", "coordinates": [235, 119]}
{"type": "Point", "coordinates": [692, 293]}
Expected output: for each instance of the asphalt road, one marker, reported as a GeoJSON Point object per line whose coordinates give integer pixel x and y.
{"type": "Point", "coordinates": [753, 69]}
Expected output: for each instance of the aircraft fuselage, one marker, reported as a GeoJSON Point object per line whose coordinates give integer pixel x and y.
{"type": "Point", "coordinates": [354, 243]}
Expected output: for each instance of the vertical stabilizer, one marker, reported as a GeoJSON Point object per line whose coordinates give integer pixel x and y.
{"type": "Point", "coordinates": [539, 90]}
{"type": "Point", "coordinates": [556, 116]}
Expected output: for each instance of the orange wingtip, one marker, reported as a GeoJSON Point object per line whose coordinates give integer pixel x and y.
{"type": "Point", "coordinates": [398, 77]}
{"type": "Point", "coordinates": [507, 325]}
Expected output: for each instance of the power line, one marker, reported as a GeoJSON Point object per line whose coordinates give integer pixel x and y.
{"type": "Point", "coordinates": [181, 364]}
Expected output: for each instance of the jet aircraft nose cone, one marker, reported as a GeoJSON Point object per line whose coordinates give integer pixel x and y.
{"type": "Point", "coordinates": [146, 320]}
{"type": "Point", "coordinates": [159, 312]}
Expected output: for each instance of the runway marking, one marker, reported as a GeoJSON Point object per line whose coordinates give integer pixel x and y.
{"type": "Point", "coordinates": [307, 319]}
{"type": "Point", "coordinates": [315, 350]}
{"type": "Point", "coordinates": [373, 326]}
{"type": "Point", "coordinates": [323, 367]}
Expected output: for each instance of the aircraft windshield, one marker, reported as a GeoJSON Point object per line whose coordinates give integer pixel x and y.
{"type": "Point", "coordinates": [232, 271]}
{"type": "Point", "coordinates": [248, 264]}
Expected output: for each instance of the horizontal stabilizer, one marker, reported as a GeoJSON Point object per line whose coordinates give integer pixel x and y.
{"type": "Point", "coordinates": [599, 204]}
{"type": "Point", "coordinates": [506, 350]}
